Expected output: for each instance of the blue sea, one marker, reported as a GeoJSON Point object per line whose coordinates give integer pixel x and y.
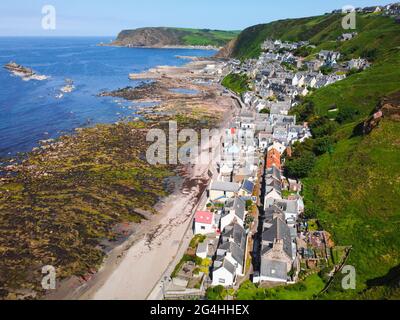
{"type": "Point", "coordinates": [34, 110]}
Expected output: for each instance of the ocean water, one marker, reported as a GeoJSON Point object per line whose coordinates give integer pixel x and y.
{"type": "Point", "coordinates": [34, 110]}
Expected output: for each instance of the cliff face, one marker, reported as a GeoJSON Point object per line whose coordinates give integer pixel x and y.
{"type": "Point", "coordinates": [161, 37]}
{"type": "Point", "coordinates": [150, 37]}
{"type": "Point", "coordinates": [227, 51]}
{"type": "Point", "coordinates": [388, 107]}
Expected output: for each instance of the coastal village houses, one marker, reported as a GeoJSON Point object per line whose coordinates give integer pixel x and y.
{"type": "Point", "coordinates": [256, 142]}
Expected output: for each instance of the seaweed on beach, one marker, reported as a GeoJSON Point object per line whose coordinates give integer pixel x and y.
{"type": "Point", "coordinates": [66, 197]}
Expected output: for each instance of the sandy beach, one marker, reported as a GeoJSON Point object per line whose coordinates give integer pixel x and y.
{"type": "Point", "coordinates": [133, 270]}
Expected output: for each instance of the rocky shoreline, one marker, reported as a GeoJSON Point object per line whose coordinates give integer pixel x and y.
{"type": "Point", "coordinates": [93, 190]}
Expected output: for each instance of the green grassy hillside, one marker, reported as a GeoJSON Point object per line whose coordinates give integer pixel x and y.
{"type": "Point", "coordinates": [174, 37]}
{"type": "Point", "coordinates": [375, 33]}
{"type": "Point", "coordinates": [238, 83]}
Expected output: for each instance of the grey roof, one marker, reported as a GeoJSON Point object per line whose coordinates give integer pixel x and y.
{"type": "Point", "coordinates": [288, 206]}
{"type": "Point", "coordinates": [225, 186]}
{"type": "Point", "coordinates": [236, 233]}
{"type": "Point", "coordinates": [275, 173]}
{"type": "Point", "coordinates": [273, 184]}
{"type": "Point", "coordinates": [279, 231]}
{"type": "Point", "coordinates": [272, 211]}
{"type": "Point", "coordinates": [238, 205]}
{"type": "Point", "coordinates": [234, 249]}
{"type": "Point", "coordinates": [227, 265]}
{"type": "Point", "coordinates": [273, 269]}
{"type": "Point", "coordinates": [202, 247]}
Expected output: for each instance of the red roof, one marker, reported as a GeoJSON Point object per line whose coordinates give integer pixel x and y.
{"type": "Point", "coordinates": [274, 159]}
{"type": "Point", "coordinates": [204, 217]}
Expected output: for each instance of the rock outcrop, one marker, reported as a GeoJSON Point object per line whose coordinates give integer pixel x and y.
{"type": "Point", "coordinates": [388, 108]}
{"type": "Point", "coordinates": [226, 52]}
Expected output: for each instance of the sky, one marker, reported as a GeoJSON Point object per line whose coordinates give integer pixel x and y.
{"type": "Point", "coordinates": [109, 17]}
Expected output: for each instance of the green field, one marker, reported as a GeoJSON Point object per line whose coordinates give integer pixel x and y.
{"type": "Point", "coordinates": [205, 37]}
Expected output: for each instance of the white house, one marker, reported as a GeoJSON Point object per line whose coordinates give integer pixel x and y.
{"type": "Point", "coordinates": [202, 250]}
{"type": "Point", "coordinates": [234, 211]}
{"type": "Point", "coordinates": [277, 146]}
{"type": "Point", "coordinates": [223, 273]}
{"type": "Point", "coordinates": [220, 190]}
{"type": "Point", "coordinates": [204, 223]}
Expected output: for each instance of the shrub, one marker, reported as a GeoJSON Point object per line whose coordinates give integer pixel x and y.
{"type": "Point", "coordinates": [323, 145]}
{"type": "Point", "coordinates": [323, 127]}
{"type": "Point", "coordinates": [326, 70]}
{"type": "Point", "coordinates": [347, 115]}
{"type": "Point", "coordinates": [216, 293]}
{"type": "Point", "coordinates": [238, 83]}
{"type": "Point", "coordinates": [302, 166]}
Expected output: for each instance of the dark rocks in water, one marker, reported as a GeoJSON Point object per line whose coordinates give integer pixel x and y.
{"type": "Point", "coordinates": [14, 67]}
{"type": "Point", "coordinates": [23, 72]}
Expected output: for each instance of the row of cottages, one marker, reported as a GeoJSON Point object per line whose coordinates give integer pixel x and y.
{"type": "Point", "coordinates": [278, 248]}
{"type": "Point", "coordinates": [234, 211]}
{"type": "Point", "coordinates": [279, 232]}
{"type": "Point", "coordinates": [230, 258]}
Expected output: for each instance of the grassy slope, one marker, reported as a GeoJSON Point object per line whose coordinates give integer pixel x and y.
{"type": "Point", "coordinates": [301, 291]}
{"type": "Point", "coordinates": [238, 83]}
{"type": "Point", "coordinates": [208, 37]}
{"type": "Point", "coordinates": [356, 188]}
{"type": "Point", "coordinates": [357, 191]}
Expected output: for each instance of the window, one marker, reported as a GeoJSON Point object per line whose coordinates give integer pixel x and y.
{"type": "Point", "coordinates": [222, 281]}
{"type": "Point", "coordinates": [203, 228]}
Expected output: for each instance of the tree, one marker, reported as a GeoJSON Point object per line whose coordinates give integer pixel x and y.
{"type": "Point", "coordinates": [323, 126]}
{"type": "Point", "coordinates": [322, 145]}
{"type": "Point", "coordinates": [326, 70]}
{"type": "Point", "coordinates": [304, 111]}
{"type": "Point", "coordinates": [347, 115]}
{"type": "Point", "coordinates": [216, 293]}
{"type": "Point", "coordinates": [301, 167]}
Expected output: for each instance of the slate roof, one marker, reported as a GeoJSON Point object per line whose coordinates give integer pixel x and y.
{"type": "Point", "coordinates": [271, 211]}
{"type": "Point", "coordinates": [273, 269]}
{"type": "Point", "coordinates": [288, 206]}
{"type": "Point", "coordinates": [275, 173]}
{"type": "Point", "coordinates": [279, 231]}
{"type": "Point", "coordinates": [234, 249]}
{"type": "Point", "coordinates": [227, 265]}
{"type": "Point", "coordinates": [238, 205]}
{"type": "Point", "coordinates": [236, 233]}
{"type": "Point", "coordinates": [225, 186]}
